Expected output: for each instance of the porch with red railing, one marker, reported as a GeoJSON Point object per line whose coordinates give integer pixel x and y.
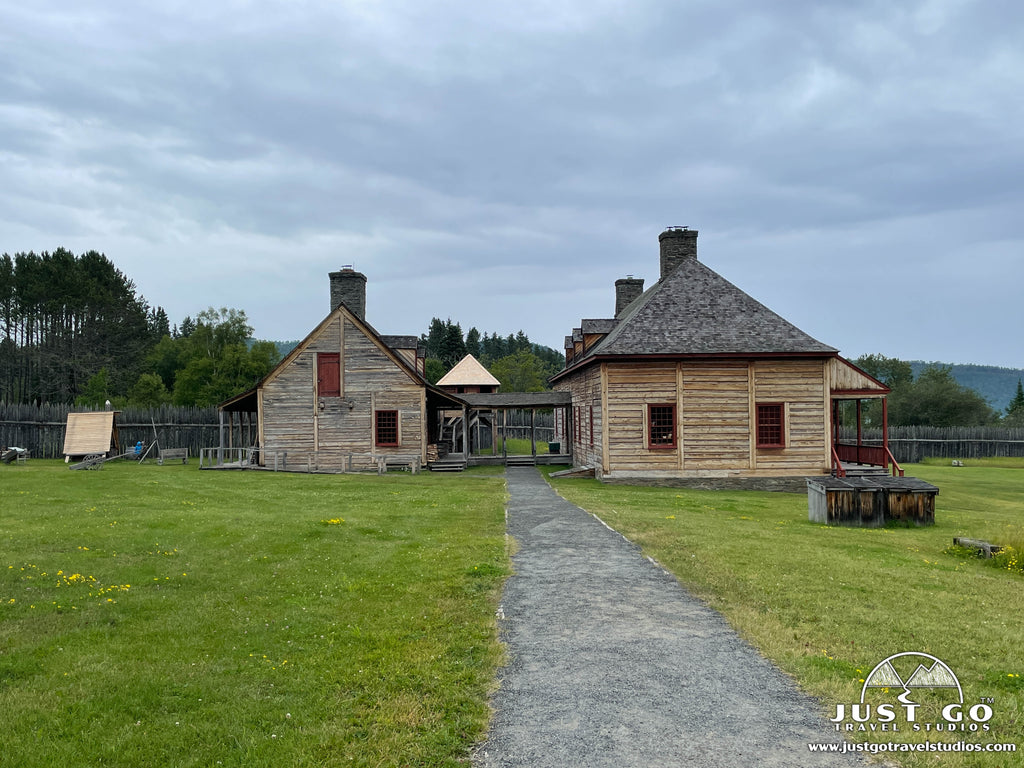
{"type": "Point", "coordinates": [859, 458]}
{"type": "Point", "coordinates": [847, 457]}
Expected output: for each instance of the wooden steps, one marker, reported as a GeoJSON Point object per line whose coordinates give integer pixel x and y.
{"type": "Point", "coordinates": [864, 470]}
{"type": "Point", "coordinates": [520, 461]}
{"type": "Point", "coordinates": [453, 462]}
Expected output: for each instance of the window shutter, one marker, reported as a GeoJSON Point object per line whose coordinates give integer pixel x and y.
{"type": "Point", "coordinates": [328, 367]}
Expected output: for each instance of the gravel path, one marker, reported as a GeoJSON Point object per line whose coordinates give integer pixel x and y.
{"type": "Point", "coordinates": [612, 663]}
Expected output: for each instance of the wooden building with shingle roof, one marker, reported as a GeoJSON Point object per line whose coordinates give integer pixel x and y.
{"type": "Point", "coordinates": [346, 397]}
{"type": "Point", "coordinates": [693, 379]}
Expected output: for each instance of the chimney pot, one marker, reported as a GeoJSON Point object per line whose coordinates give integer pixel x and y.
{"type": "Point", "coordinates": [678, 244]}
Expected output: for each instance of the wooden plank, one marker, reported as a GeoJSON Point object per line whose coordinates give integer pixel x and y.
{"type": "Point", "coordinates": [605, 420]}
{"type": "Point", "coordinates": [752, 413]}
{"type": "Point", "coordinates": [680, 421]}
{"type": "Point", "coordinates": [341, 356]}
{"type": "Point", "coordinates": [89, 433]}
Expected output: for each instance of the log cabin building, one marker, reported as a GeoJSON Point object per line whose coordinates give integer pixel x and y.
{"type": "Point", "coordinates": [690, 382]}
{"type": "Point", "coordinates": [694, 382]}
{"type": "Point", "coordinates": [346, 397]}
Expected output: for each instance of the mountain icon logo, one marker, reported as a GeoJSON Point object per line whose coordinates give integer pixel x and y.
{"type": "Point", "coordinates": [930, 672]}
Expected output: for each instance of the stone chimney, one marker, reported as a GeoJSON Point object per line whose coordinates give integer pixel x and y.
{"type": "Point", "coordinates": [627, 290]}
{"type": "Point", "coordinates": [348, 287]}
{"type": "Point", "coordinates": [678, 244]}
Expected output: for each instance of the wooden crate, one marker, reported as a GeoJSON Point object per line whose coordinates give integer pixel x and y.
{"type": "Point", "coordinates": [870, 502]}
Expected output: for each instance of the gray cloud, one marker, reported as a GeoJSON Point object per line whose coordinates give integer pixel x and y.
{"type": "Point", "coordinates": [854, 166]}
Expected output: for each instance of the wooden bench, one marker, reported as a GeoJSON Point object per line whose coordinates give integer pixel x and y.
{"type": "Point", "coordinates": [11, 455]}
{"type": "Point", "coordinates": [983, 548]}
{"type": "Point", "coordinates": [172, 453]}
{"type": "Point", "coordinates": [412, 463]}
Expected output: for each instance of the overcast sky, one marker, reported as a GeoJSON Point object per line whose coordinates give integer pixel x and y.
{"type": "Point", "coordinates": [855, 166]}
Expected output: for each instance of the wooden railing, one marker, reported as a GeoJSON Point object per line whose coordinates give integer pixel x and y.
{"type": "Point", "coordinates": [872, 455]}
{"type": "Point", "coordinates": [837, 464]}
{"type": "Point", "coordinates": [211, 458]}
{"type": "Point", "coordinates": [895, 465]}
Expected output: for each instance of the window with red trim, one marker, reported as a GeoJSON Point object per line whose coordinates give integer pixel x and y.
{"type": "Point", "coordinates": [328, 374]}
{"type": "Point", "coordinates": [661, 426]}
{"type": "Point", "coordinates": [386, 427]}
{"type": "Point", "coordinates": [771, 427]}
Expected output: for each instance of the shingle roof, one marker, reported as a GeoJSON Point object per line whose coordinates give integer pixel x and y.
{"type": "Point", "coordinates": [696, 311]}
{"type": "Point", "coordinates": [468, 371]}
{"type": "Point", "coordinates": [597, 326]}
{"type": "Point", "coordinates": [401, 342]}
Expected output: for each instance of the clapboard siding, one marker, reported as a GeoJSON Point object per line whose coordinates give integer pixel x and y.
{"type": "Point", "coordinates": [800, 385]}
{"type": "Point", "coordinates": [846, 377]}
{"type": "Point", "coordinates": [716, 416]}
{"type": "Point", "coordinates": [586, 398]}
{"type": "Point", "coordinates": [716, 413]}
{"type": "Point", "coordinates": [631, 389]}
{"type": "Point", "coordinates": [297, 421]}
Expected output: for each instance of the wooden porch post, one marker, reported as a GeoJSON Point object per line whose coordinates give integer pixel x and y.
{"type": "Point", "coordinates": [220, 442]}
{"type": "Point", "coordinates": [885, 430]}
{"type": "Point", "coordinates": [835, 422]}
{"type": "Point", "coordinates": [465, 432]}
{"type": "Point", "coordinates": [860, 431]}
{"type": "Point", "coordinates": [504, 433]}
{"type": "Point", "coordinates": [533, 432]}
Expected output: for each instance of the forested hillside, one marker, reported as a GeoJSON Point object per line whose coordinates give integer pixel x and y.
{"type": "Point", "coordinates": [996, 385]}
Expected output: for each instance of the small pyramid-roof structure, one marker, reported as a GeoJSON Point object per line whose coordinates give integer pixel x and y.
{"type": "Point", "coordinates": [468, 372]}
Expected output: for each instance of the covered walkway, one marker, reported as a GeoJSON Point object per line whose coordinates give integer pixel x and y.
{"type": "Point", "coordinates": [505, 428]}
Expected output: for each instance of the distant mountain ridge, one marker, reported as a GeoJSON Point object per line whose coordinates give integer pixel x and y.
{"type": "Point", "coordinates": [997, 385]}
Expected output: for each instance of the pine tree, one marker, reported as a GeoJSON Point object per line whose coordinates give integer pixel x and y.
{"type": "Point", "coordinates": [1015, 411]}
{"type": "Point", "coordinates": [453, 346]}
{"type": "Point", "coordinates": [473, 342]}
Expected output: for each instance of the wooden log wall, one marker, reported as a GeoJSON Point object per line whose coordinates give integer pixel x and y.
{"type": "Point", "coordinates": [716, 416]}
{"type": "Point", "coordinates": [585, 416]}
{"type": "Point", "coordinates": [800, 386]}
{"type": "Point", "coordinates": [715, 405]}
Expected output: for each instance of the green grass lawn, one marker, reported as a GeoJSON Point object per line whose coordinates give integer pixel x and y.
{"type": "Point", "coordinates": [165, 616]}
{"type": "Point", "coordinates": [517, 446]}
{"type": "Point", "coordinates": [828, 604]}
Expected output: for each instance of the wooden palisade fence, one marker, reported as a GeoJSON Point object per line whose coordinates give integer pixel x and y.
{"type": "Point", "coordinates": [40, 429]}
{"type": "Point", "coordinates": [912, 444]}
